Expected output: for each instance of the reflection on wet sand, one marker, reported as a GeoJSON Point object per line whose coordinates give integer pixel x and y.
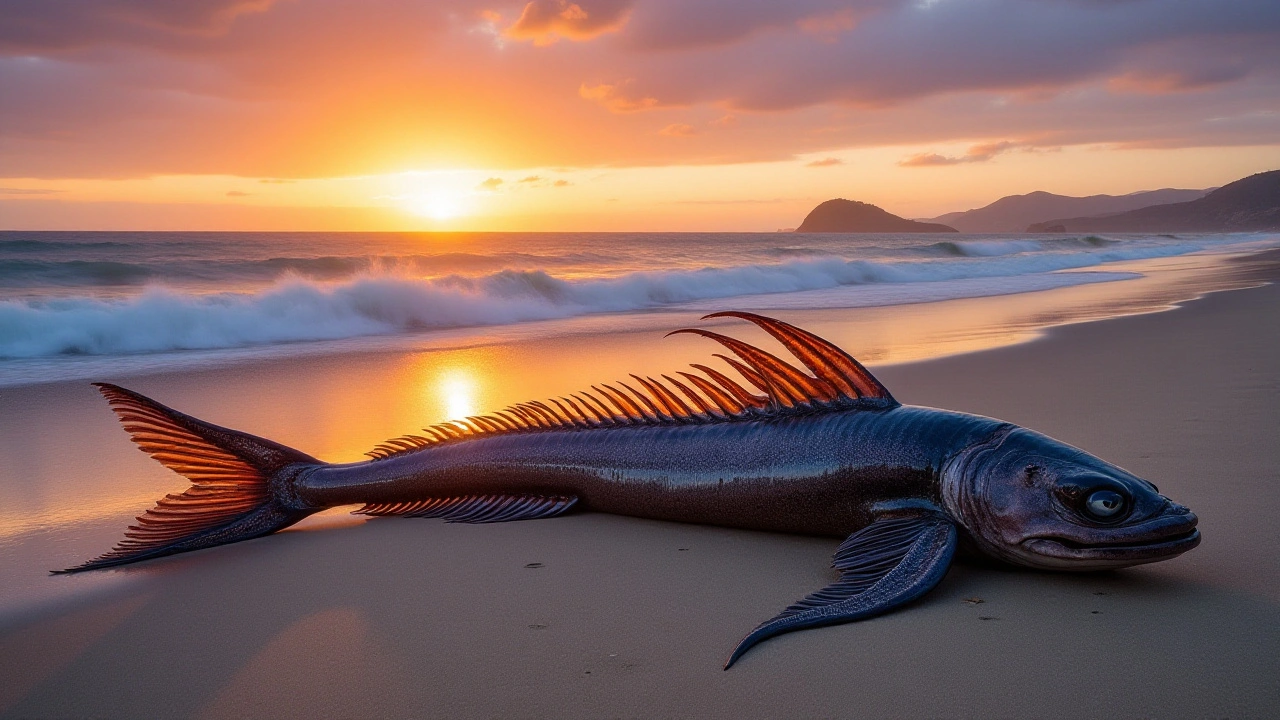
{"type": "Point", "coordinates": [457, 388]}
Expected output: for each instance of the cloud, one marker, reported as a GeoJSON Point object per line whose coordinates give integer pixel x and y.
{"type": "Point", "coordinates": [489, 184]}
{"type": "Point", "coordinates": [63, 24]}
{"type": "Point", "coordinates": [976, 154]}
{"type": "Point", "coordinates": [616, 99]}
{"type": "Point", "coordinates": [725, 121]}
{"type": "Point", "coordinates": [929, 160]}
{"type": "Point", "coordinates": [681, 25]}
{"type": "Point", "coordinates": [561, 183]}
{"type": "Point", "coordinates": [276, 181]}
{"type": "Point", "coordinates": [1161, 82]}
{"type": "Point", "coordinates": [897, 52]}
{"type": "Point", "coordinates": [1189, 66]}
{"type": "Point", "coordinates": [27, 191]}
{"type": "Point", "coordinates": [530, 179]}
{"type": "Point", "coordinates": [678, 130]}
{"type": "Point", "coordinates": [134, 88]}
{"type": "Point", "coordinates": [237, 193]}
{"type": "Point", "coordinates": [828, 25]}
{"type": "Point", "coordinates": [546, 21]}
{"type": "Point", "coordinates": [825, 162]}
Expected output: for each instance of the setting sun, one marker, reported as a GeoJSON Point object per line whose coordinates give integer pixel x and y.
{"type": "Point", "coordinates": [437, 206]}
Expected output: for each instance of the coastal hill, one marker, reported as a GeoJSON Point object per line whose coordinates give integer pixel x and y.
{"type": "Point", "coordinates": [850, 216]}
{"type": "Point", "coordinates": [1014, 213]}
{"type": "Point", "coordinates": [1250, 204]}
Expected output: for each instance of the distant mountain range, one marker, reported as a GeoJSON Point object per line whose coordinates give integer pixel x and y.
{"type": "Point", "coordinates": [1250, 204]}
{"type": "Point", "coordinates": [850, 216]}
{"type": "Point", "coordinates": [1015, 212]}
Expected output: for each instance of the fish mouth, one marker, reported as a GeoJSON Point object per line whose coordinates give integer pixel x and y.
{"type": "Point", "coordinates": [1171, 537]}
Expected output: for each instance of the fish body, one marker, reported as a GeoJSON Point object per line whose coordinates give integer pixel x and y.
{"type": "Point", "coordinates": [829, 453]}
{"type": "Point", "coordinates": [817, 474]}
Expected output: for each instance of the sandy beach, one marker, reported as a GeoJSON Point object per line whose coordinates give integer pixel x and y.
{"type": "Point", "coordinates": [280, 279]}
{"type": "Point", "coordinates": [593, 615]}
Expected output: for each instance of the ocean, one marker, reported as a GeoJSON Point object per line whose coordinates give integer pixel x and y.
{"type": "Point", "coordinates": [79, 303]}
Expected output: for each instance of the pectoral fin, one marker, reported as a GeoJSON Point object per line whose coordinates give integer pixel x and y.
{"type": "Point", "coordinates": [884, 565]}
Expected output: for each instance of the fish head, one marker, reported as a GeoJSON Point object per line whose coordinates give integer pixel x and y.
{"type": "Point", "coordinates": [1031, 500]}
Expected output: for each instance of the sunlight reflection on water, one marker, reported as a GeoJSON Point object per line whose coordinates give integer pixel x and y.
{"type": "Point", "coordinates": [457, 388]}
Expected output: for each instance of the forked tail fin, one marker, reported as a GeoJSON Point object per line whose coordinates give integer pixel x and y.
{"type": "Point", "coordinates": [240, 483]}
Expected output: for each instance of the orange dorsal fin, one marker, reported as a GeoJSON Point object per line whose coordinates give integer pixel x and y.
{"type": "Point", "coordinates": [786, 385]}
{"type": "Point", "coordinates": [839, 382]}
{"type": "Point", "coordinates": [835, 366]}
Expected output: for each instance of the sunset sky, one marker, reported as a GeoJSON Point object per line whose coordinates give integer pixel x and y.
{"type": "Point", "coordinates": [614, 115]}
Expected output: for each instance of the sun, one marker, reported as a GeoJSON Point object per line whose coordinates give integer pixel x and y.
{"type": "Point", "coordinates": [437, 205]}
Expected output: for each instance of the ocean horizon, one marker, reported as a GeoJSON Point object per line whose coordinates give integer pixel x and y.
{"type": "Point", "coordinates": [120, 298]}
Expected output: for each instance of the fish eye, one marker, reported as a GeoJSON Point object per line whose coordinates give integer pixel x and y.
{"type": "Point", "coordinates": [1104, 505]}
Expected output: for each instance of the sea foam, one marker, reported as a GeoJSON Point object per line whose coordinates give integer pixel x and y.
{"type": "Point", "coordinates": [384, 302]}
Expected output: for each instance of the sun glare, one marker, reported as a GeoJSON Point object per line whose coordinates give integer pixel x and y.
{"type": "Point", "coordinates": [458, 390]}
{"type": "Point", "coordinates": [437, 205]}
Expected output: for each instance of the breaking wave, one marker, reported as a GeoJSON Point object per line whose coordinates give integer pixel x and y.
{"type": "Point", "coordinates": [297, 309]}
{"type": "Point", "coordinates": [997, 248]}
{"type": "Point", "coordinates": [24, 272]}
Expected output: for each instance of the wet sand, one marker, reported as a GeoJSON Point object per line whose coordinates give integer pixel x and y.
{"type": "Point", "coordinates": [601, 616]}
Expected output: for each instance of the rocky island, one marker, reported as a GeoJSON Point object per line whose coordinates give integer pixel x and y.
{"type": "Point", "coordinates": [851, 216]}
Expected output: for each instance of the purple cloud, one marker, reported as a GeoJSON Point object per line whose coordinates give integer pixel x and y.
{"type": "Point", "coordinates": [43, 25]}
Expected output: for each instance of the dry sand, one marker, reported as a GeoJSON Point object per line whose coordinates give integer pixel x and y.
{"type": "Point", "coordinates": [631, 618]}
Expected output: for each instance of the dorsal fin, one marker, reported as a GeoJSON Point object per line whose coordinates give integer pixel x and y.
{"type": "Point", "coordinates": [838, 382]}
{"type": "Point", "coordinates": [785, 384]}
{"type": "Point", "coordinates": [837, 367]}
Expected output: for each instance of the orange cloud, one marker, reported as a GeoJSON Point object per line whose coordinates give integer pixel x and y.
{"type": "Point", "coordinates": [490, 184]}
{"type": "Point", "coordinates": [1160, 83]}
{"type": "Point", "coordinates": [725, 121]}
{"type": "Point", "coordinates": [825, 162]}
{"type": "Point", "coordinates": [976, 154]}
{"type": "Point", "coordinates": [678, 130]}
{"type": "Point", "coordinates": [828, 25]}
{"type": "Point", "coordinates": [27, 191]}
{"type": "Point", "coordinates": [616, 99]}
{"type": "Point", "coordinates": [547, 21]}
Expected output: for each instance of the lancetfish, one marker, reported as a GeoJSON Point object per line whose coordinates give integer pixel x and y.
{"type": "Point", "coordinates": [827, 452]}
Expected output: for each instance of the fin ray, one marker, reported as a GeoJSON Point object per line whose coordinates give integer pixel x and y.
{"type": "Point", "coordinates": [230, 474]}
{"type": "Point", "coordinates": [886, 564]}
{"type": "Point", "coordinates": [476, 509]}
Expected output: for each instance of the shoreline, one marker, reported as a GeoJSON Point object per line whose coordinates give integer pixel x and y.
{"type": "Point", "coordinates": [390, 617]}
{"type": "Point", "coordinates": [491, 373]}
{"type": "Point", "coordinates": [1153, 284]}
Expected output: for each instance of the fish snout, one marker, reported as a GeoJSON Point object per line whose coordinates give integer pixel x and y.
{"type": "Point", "coordinates": [1169, 533]}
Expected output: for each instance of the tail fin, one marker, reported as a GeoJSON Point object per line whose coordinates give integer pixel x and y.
{"type": "Point", "coordinates": [239, 490]}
